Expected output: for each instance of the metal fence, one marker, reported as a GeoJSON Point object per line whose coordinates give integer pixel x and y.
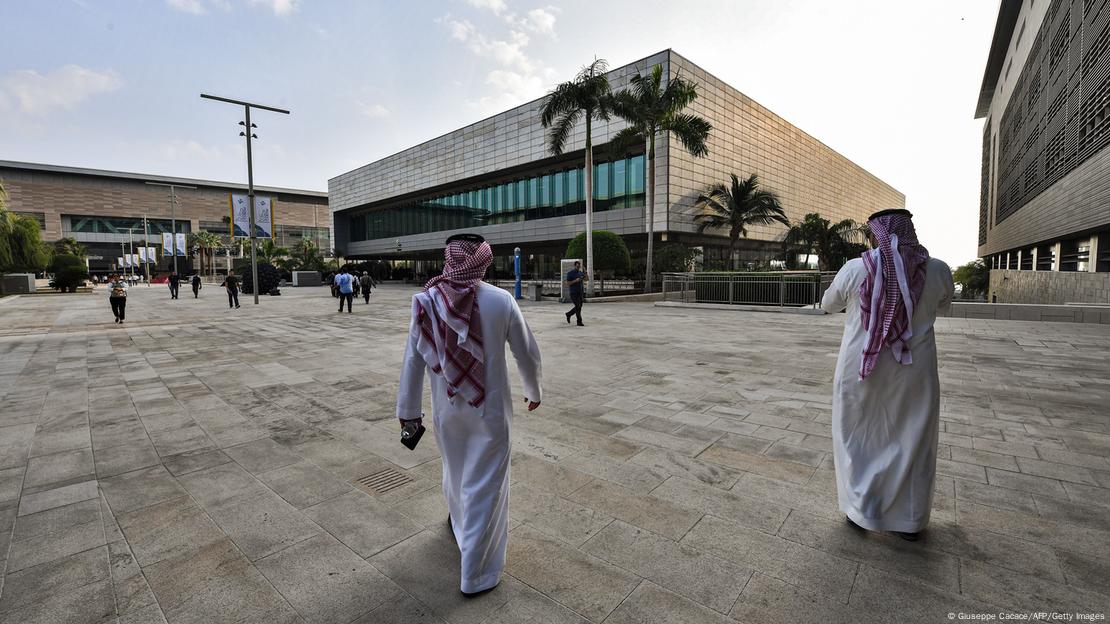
{"type": "Point", "coordinates": [785, 288]}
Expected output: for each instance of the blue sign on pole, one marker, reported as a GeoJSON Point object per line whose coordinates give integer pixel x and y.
{"type": "Point", "coordinates": [516, 268]}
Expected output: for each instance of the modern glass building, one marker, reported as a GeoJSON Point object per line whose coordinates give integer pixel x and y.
{"type": "Point", "coordinates": [1044, 212]}
{"type": "Point", "coordinates": [497, 177]}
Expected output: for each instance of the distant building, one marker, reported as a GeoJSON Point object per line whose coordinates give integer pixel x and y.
{"type": "Point", "coordinates": [99, 207]}
{"type": "Point", "coordinates": [497, 177]}
{"type": "Point", "coordinates": [1044, 213]}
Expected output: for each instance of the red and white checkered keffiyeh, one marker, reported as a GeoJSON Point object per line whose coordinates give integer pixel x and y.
{"type": "Point", "coordinates": [891, 290]}
{"type": "Point", "coordinates": [446, 320]}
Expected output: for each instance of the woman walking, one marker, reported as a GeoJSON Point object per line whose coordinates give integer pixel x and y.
{"type": "Point", "coordinates": [117, 296]}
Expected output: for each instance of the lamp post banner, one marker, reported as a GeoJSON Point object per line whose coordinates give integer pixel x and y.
{"type": "Point", "coordinates": [241, 216]}
{"type": "Point", "coordinates": [142, 255]}
{"type": "Point", "coordinates": [134, 260]}
{"type": "Point", "coordinates": [119, 262]}
{"type": "Point", "coordinates": [167, 244]}
{"type": "Point", "coordinates": [181, 243]}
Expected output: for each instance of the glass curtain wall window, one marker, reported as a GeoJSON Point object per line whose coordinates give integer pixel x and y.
{"type": "Point", "coordinates": [617, 185]}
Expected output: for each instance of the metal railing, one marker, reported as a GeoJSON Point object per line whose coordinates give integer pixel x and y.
{"type": "Point", "coordinates": [780, 288]}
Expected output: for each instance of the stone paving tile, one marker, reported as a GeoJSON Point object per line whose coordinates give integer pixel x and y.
{"type": "Point", "coordinates": [556, 516]}
{"type": "Point", "coordinates": [215, 583]}
{"type": "Point", "coordinates": [54, 546]}
{"type": "Point", "coordinates": [67, 466]}
{"type": "Point", "coordinates": [641, 510]}
{"type": "Point", "coordinates": [91, 604]}
{"type": "Point", "coordinates": [327, 582]}
{"type": "Point", "coordinates": [586, 584]}
{"type": "Point", "coordinates": [766, 599]}
{"type": "Point", "coordinates": [679, 465]}
{"type": "Point", "coordinates": [56, 519]}
{"type": "Point", "coordinates": [546, 476]}
{"type": "Point", "coordinates": [363, 524]}
{"type": "Point", "coordinates": [262, 455]}
{"type": "Point", "coordinates": [707, 499]}
{"type": "Point", "coordinates": [758, 464]}
{"type": "Point", "coordinates": [806, 568]}
{"type": "Point", "coordinates": [704, 578]}
{"type": "Point", "coordinates": [56, 577]}
{"type": "Point", "coordinates": [404, 609]}
{"type": "Point", "coordinates": [140, 488]}
{"type": "Point", "coordinates": [651, 604]}
{"type": "Point", "coordinates": [131, 589]}
{"type": "Point", "coordinates": [303, 484]}
{"type": "Point", "coordinates": [57, 497]}
{"type": "Point", "coordinates": [167, 530]}
{"type": "Point", "coordinates": [262, 524]}
{"type": "Point", "coordinates": [191, 461]}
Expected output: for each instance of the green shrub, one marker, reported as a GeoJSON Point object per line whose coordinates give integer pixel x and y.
{"type": "Point", "coordinates": [674, 258]}
{"type": "Point", "coordinates": [268, 277]}
{"type": "Point", "coordinates": [69, 272]}
{"type": "Point", "coordinates": [610, 252]}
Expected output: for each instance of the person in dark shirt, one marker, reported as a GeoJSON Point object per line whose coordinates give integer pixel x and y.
{"type": "Point", "coordinates": [574, 284]}
{"type": "Point", "coordinates": [196, 285]}
{"type": "Point", "coordinates": [231, 283]}
{"type": "Point", "coordinates": [175, 283]}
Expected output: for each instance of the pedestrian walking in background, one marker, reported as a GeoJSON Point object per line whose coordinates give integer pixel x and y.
{"type": "Point", "coordinates": [175, 284]}
{"type": "Point", "coordinates": [366, 282]}
{"type": "Point", "coordinates": [459, 329]}
{"type": "Point", "coordinates": [886, 398]}
{"type": "Point", "coordinates": [231, 283]}
{"type": "Point", "coordinates": [357, 285]}
{"type": "Point", "coordinates": [574, 285]}
{"type": "Point", "coordinates": [196, 285]}
{"type": "Point", "coordinates": [117, 296]}
{"type": "Point", "coordinates": [344, 282]}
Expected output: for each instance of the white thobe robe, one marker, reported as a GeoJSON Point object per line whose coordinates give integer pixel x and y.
{"type": "Point", "coordinates": [885, 427]}
{"type": "Point", "coordinates": [474, 442]}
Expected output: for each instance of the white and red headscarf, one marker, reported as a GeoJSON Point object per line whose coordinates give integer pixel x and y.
{"type": "Point", "coordinates": [892, 288]}
{"type": "Point", "coordinates": [446, 320]}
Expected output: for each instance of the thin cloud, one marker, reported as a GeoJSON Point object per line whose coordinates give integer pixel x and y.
{"type": "Point", "coordinates": [540, 21]}
{"type": "Point", "coordinates": [373, 111]}
{"type": "Point", "coordinates": [281, 8]}
{"type": "Point", "coordinates": [64, 88]}
{"type": "Point", "coordinates": [198, 7]}
{"type": "Point", "coordinates": [496, 6]}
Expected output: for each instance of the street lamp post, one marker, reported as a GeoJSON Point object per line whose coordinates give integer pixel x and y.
{"type": "Point", "coordinates": [247, 132]}
{"type": "Point", "coordinates": [146, 244]}
{"type": "Point", "coordinates": [173, 217]}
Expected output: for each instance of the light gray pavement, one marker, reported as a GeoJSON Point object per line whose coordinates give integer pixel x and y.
{"type": "Point", "coordinates": [196, 465]}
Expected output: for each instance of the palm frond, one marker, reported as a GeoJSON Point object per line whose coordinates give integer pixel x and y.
{"type": "Point", "coordinates": [557, 139]}
{"type": "Point", "coordinates": [692, 131]}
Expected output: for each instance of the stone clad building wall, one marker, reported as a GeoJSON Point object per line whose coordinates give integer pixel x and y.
{"type": "Point", "coordinates": [747, 138]}
{"type": "Point", "coordinates": [1049, 287]}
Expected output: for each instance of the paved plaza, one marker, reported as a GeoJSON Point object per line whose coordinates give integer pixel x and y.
{"type": "Point", "coordinates": [200, 464]}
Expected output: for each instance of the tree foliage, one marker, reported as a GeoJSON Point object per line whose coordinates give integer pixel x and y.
{"type": "Point", "coordinates": [833, 243]}
{"type": "Point", "coordinates": [674, 258]}
{"type": "Point", "coordinates": [69, 272]}
{"type": "Point", "coordinates": [21, 246]}
{"type": "Point", "coordinates": [610, 251]}
{"type": "Point", "coordinates": [736, 206]}
{"type": "Point", "coordinates": [306, 256]}
{"type": "Point", "coordinates": [974, 277]}
{"type": "Point", "coordinates": [69, 245]}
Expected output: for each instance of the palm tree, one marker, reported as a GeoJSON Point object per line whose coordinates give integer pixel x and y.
{"type": "Point", "coordinates": [651, 108]}
{"type": "Point", "coordinates": [830, 241]}
{"type": "Point", "coordinates": [307, 256]}
{"type": "Point", "coordinates": [586, 97]}
{"type": "Point", "coordinates": [206, 242]}
{"type": "Point", "coordinates": [736, 207]}
{"type": "Point", "coordinates": [269, 252]}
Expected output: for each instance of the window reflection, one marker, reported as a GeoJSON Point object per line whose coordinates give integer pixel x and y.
{"type": "Point", "coordinates": [617, 185]}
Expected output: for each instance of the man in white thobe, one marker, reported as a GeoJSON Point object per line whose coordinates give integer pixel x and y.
{"type": "Point", "coordinates": [886, 391]}
{"type": "Point", "coordinates": [459, 329]}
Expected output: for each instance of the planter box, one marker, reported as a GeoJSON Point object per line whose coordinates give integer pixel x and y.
{"type": "Point", "coordinates": [306, 278]}
{"type": "Point", "coordinates": [18, 283]}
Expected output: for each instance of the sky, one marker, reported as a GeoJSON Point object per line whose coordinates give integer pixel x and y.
{"type": "Point", "coordinates": [115, 84]}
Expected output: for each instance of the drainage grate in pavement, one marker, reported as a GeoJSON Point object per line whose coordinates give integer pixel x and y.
{"type": "Point", "coordinates": [382, 481]}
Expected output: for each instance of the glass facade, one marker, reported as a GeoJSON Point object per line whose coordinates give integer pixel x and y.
{"type": "Point", "coordinates": [617, 185]}
{"type": "Point", "coordinates": [80, 224]}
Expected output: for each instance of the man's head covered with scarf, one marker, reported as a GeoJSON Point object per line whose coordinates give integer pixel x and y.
{"type": "Point", "coordinates": [447, 318]}
{"type": "Point", "coordinates": [890, 292]}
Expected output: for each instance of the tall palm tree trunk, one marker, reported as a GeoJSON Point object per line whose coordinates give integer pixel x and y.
{"type": "Point", "coordinates": [589, 207]}
{"type": "Point", "coordinates": [650, 162]}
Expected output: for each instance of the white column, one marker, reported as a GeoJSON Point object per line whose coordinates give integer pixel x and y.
{"type": "Point", "coordinates": [1035, 251]}
{"type": "Point", "coordinates": [1092, 262]}
{"type": "Point", "coordinates": [1056, 256]}
{"type": "Point", "coordinates": [1019, 254]}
